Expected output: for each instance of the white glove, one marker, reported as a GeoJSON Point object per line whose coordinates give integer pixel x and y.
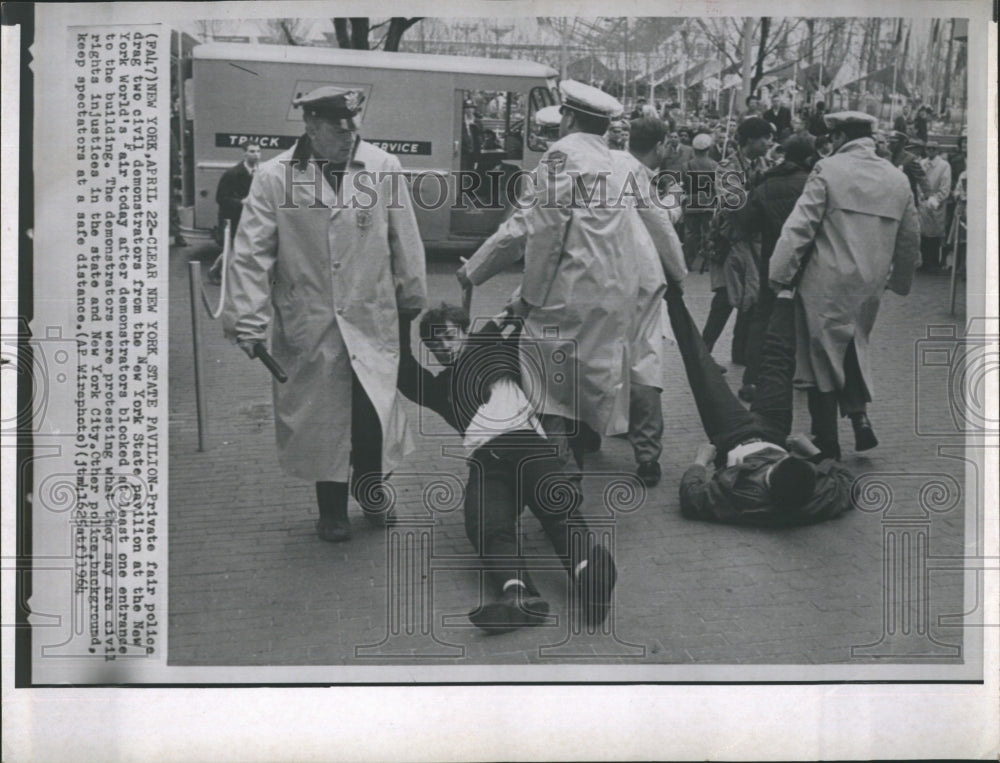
{"type": "Point", "coordinates": [933, 203]}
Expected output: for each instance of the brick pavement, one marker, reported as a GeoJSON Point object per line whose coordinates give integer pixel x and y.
{"type": "Point", "coordinates": [250, 584]}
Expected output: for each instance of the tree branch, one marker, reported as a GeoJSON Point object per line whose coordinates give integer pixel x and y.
{"type": "Point", "coordinates": [340, 29]}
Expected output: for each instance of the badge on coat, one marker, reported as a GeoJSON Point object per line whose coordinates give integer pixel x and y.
{"type": "Point", "coordinates": [556, 161]}
{"type": "Point", "coordinates": [364, 218]}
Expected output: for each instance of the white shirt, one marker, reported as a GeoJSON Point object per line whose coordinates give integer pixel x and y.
{"type": "Point", "coordinates": [508, 410]}
{"type": "Point", "coordinates": [740, 452]}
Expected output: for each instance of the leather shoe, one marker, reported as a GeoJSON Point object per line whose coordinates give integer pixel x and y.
{"type": "Point", "coordinates": [515, 609]}
{"type": "Point", "coordinates": [864, 435]}
{"type": "Point", "coordinates": [649, 473]}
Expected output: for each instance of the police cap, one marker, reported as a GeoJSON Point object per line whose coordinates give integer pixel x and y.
{"type": "Point", "coordinates": [702, 141]}
{"type": "Point", "coordinates": [337, 104]}
{"type": "Point", "coordinates": [841, 118]}
{"type": "Point", "coordinates": [589, 100]}
{"type": "Point", "coordinates": [548, 116]}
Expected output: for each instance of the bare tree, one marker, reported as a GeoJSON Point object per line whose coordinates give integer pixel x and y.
{"type": "Point", "coordinates": [355, 33]}
{"type": "Point", "coordinates": [397, 28]}
{"type": "Point", "coordinates": [286, 31]}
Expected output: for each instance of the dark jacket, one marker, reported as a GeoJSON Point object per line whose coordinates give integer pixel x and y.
{"type": "Point", "coordinates": [739, 494]}
{"type": "Point", "coordinates": [817, 125]}
{"type": "Point", "coordinates": [674, 159]}
{"type": "Point", "coordinates": [957, 161]}
{"type": "Point", "coordinates": [457, 392]}
{"type": "Point", "coordinates": [781, 118]}
{"type": "Point", "coordinates": [701, 195]}
{"type": "Point", "coordinates": [770, 203]}
{"type": "Point", "coordinates": [233, 188]}
{"type": "Point", "coordinates": [911, 167]}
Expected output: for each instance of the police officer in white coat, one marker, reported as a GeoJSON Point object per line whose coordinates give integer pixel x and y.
{"type": "Point", "coordinates": [853, 234]}
{"type": "Point", "coordinates": [336, 266]}
{"type": "Point", "coordinates": [578, 292]}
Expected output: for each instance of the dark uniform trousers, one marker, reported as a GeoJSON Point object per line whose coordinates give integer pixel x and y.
{"type": "Point", "coordinates": [366, 458]}
{"type": "Point", "coordinates": [645, 423]}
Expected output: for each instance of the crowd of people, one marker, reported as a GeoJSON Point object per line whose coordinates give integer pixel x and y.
{"type": "Point", "coordinates": [800, 244]}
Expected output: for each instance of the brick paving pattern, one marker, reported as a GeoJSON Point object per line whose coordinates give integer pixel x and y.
{"type": "Point", "coordinates": [251, 584]}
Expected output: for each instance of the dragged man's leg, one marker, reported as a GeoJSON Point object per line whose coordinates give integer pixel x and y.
{"type": "Point", "coordinates": [772, 405]}
{"type": "Point", "coordinates": [724, 418]}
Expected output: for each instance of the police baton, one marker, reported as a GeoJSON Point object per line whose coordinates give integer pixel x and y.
{"type": "Point", "coordinates": [466, 293]}
{"type": "Point", "coordinates": [260, 352]}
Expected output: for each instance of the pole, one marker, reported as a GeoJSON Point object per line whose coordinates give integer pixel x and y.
{"type": "Point", "coordinates": [562, 49]}
{"type": "Point", "coordinates": [725, 142]}
{"type": "Point", "coordinates": [892, 97]}
{"type": "Point", "coordinates": [652, 87]}
{"type": "Point", "coordinates": [194, 284]}
{"type": "Point", "coordinates": [956, 232]}
{"type": "Point", "coordinates": [746, 52]}
{"type": "Point", "coordinates": [684, 87]}
{"type": "Point", "coordinates": [625, 74]}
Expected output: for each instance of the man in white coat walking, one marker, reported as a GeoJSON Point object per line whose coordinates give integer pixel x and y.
{"type": "Point", "coordinates": [852, 234]}
{"type": "Point", "coordinates": [933, 207]}
{"type": "Point", "coordinates": [577, 295]}
{"type": "Point", "coordinates": [328, 245]}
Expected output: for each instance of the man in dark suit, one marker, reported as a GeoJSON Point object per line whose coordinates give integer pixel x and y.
{"type": "Point", "coordinates": [472, 135]}
{"type": "Point", "coordinates": [676, 155]}
{"type": "Point", "coordinates": [234, 187]}
{"type": "Point", "coordinates": [817, 122]}
{"type": "Point", "coordinates": [780, 116]}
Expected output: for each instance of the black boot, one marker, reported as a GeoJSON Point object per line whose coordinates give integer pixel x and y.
{"type": "Point", "coordinates": [864, 435]}
{"type": "Point", "coordinates": [333, 525]}
{"type": "Point", "coordinates": [374, 496]}
{"type": "Point", "coordinates": [823, 411]}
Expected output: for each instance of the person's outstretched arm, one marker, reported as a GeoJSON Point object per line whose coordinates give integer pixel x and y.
{"type": "Point", "coordinates": [432, 391]}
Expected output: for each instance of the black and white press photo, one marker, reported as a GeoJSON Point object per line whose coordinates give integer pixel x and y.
{"type": "Point", "coordinates": [499, 355]}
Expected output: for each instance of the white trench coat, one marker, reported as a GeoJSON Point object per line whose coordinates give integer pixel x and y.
{"type": "Point", "coordinates": [581, 272]}
{"type": "Point", "coordinates": [334, 278]}
{"type": "Point", "coordinates": [660, 254]}
{"type": "Point", "coordinates": [852, 234]}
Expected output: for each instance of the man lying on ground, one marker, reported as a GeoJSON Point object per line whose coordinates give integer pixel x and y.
{"type": "Point", "coordinates": [511, 463]}
{"type": "Point", "coordinates": [763, 476]}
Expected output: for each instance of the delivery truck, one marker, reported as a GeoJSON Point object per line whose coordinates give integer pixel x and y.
{"type": "Point", "coordinates": [436, 114]}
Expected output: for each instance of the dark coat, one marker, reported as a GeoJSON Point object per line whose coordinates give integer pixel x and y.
{"type": "Point", "coordinates": [781, 118]}
{"type": "Point", "coordinates": [233, 188]}
{"type": "Point", "coordinates": [852, 234]}
{"type": "Point", "coordinates": [817, 125]}
{"type": "Point", "coordinates": [674, 159]}
{"type": "Point", "coordinates": [914, 171]}
{"type": "Point", "coordinates": [472, 143]}
{"type": "Point", "coordinates": [739, 494]}
{"type": "Point", "coordinates": [770, 204]}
